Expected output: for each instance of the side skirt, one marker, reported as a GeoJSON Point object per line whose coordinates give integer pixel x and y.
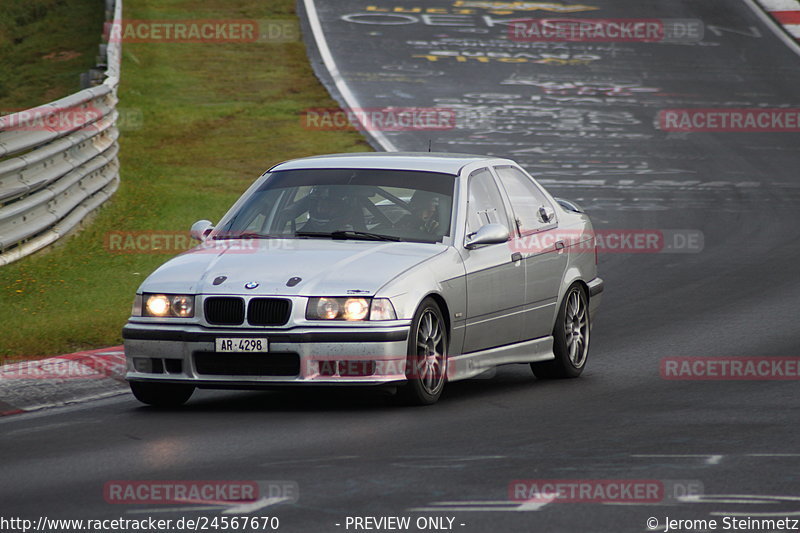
{"type": "Point", "coordinates": [469, 365]}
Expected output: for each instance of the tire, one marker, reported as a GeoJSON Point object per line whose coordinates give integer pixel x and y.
{"type": "Point", "coordinates": [426, 366]}
{"type": "Point", "coordinates": [570, 338]}
{"type": "Point", "coordinates": [161, 394]}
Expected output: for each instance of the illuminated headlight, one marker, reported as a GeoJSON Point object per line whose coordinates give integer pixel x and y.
{"type": "Point", "coordinates": [168, 305]}
{"type": "Point", "coordinates": [350, 309]}
{"type": "Point", "coordinates": [356, 309]}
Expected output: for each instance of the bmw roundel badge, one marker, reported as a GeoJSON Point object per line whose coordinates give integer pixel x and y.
{"type": "Point", "coordinates": [250, 285]}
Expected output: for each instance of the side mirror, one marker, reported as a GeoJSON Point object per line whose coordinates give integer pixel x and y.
{"type": "Point", "coordinates": [488, 234]}
{"type": "Point", "coordinates": [569, 205]}
{"type": "Point", "coordinates": [546, 213]}
{"type": "Point", "coordinates": [201, 229]}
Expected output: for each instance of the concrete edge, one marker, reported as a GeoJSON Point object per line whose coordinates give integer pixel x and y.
{"type": "Point", "coordinates": [32, 385]}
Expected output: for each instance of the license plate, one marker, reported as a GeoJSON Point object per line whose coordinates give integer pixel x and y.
{"type": "Point", "coordinates": [242, 345]}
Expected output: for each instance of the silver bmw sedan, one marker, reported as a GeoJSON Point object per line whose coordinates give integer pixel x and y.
{"type": "Point", "coordinates": [405, 270]}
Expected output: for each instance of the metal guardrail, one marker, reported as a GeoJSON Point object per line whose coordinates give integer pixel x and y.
{"type": "Point", "coordinates": [58, 162]}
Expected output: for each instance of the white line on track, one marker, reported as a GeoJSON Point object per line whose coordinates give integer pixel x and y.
{"type": "Point", "coordinates": [740, 498]}
{"type": "Point", "coordinates": [245, 508]}
{"type": "Point", "coordinates": [255, 506]}
{"type": "Point", "coordinates": [333, 69]}
{"type": "Point", "coordinates": [487, 505]}
{"type": "Point", "coordinates": [711, 459]}
{"type": "Point", "coordinates": [310, 460]}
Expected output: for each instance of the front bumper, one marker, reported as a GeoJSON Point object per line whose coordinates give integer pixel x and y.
{"type": "Point", "coordinates": [320, 356]}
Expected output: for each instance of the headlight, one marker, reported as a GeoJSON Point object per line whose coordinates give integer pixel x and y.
{"type": "Point", "coordinates": [356, 308]}
{"type": "Point", "coordinates": [351, 309]}
{"type": "Point", "coordinates": [327, 308]}
{"type": "Point", "coordinates": [168, 305]}
{"type": "Point", "coordinates": [182, 306]}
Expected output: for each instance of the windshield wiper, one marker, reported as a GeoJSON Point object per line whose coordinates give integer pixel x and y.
{"type": "Point", "coordinates": [349, 234]}
{"type": "Point", "coordinates": [244, 236]}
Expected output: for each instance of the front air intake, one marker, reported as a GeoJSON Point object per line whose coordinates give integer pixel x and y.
{"type": "Point", "coordinates": [224, 311]}
{"type": "Point", "coordinates": [268, 311]}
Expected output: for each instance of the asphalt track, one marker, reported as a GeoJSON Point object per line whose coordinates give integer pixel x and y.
{"type": "Point", "coordinates": [586, 128]}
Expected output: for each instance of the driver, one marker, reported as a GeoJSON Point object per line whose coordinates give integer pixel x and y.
{"type": "Point", "coordinates": [327, 212]}
{"type": "Point", "coordinates": [424, 216]}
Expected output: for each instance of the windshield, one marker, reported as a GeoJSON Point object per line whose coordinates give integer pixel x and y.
{"type": "Point", "coordinates": [346, 203]}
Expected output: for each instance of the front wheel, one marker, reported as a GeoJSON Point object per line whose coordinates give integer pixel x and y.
{"type": "Point", "coordinates": [570, 338]}
{"type": "Point", "coordinates": [161, 394]}
{"type": "Point", "coordinates": [427, 356]}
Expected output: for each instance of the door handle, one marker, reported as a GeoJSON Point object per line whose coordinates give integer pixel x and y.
{"type": "Point", "coordinates": [516, 256]}
{"type": "Point", "coordinates": [559, 245]}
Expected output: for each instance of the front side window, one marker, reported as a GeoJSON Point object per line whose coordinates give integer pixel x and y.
{"type": "Point", "coordinates": [526, 199]}
{"type": "Point", "coordinates": [307, 203]}
{"type": "Point", "coordinates": [485, 203]}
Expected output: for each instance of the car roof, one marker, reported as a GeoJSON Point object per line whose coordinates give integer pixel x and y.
{"type": "Point", "coordinates": [445, 163]}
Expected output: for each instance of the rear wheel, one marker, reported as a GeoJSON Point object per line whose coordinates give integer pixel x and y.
{"type": "Point", "coordinates": [161, 394]}
{"type": "Point", "coordinates": [427, 356]}
{"type": "Point", "coordinates": [570, 338]}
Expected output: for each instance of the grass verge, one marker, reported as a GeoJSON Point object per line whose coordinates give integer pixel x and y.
{"type": "Point", "coordinates": [212, 117]}
{"type": "Point", "coordinates": [44, 47]}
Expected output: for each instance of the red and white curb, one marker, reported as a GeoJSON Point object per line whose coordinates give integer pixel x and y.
{"type": "Point", "coordinates": [31, 385]}
{"type": "Point", "coordinates": [786, 13]}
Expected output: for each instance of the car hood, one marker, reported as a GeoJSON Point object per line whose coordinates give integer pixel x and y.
{"type": "Point", "coordinates": [325, 267]}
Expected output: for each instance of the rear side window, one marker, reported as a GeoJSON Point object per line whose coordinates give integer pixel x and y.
{"type": "Point", "coordinates": [485, 202]}
{"type": "Point", "coordinates": [525, 197]}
